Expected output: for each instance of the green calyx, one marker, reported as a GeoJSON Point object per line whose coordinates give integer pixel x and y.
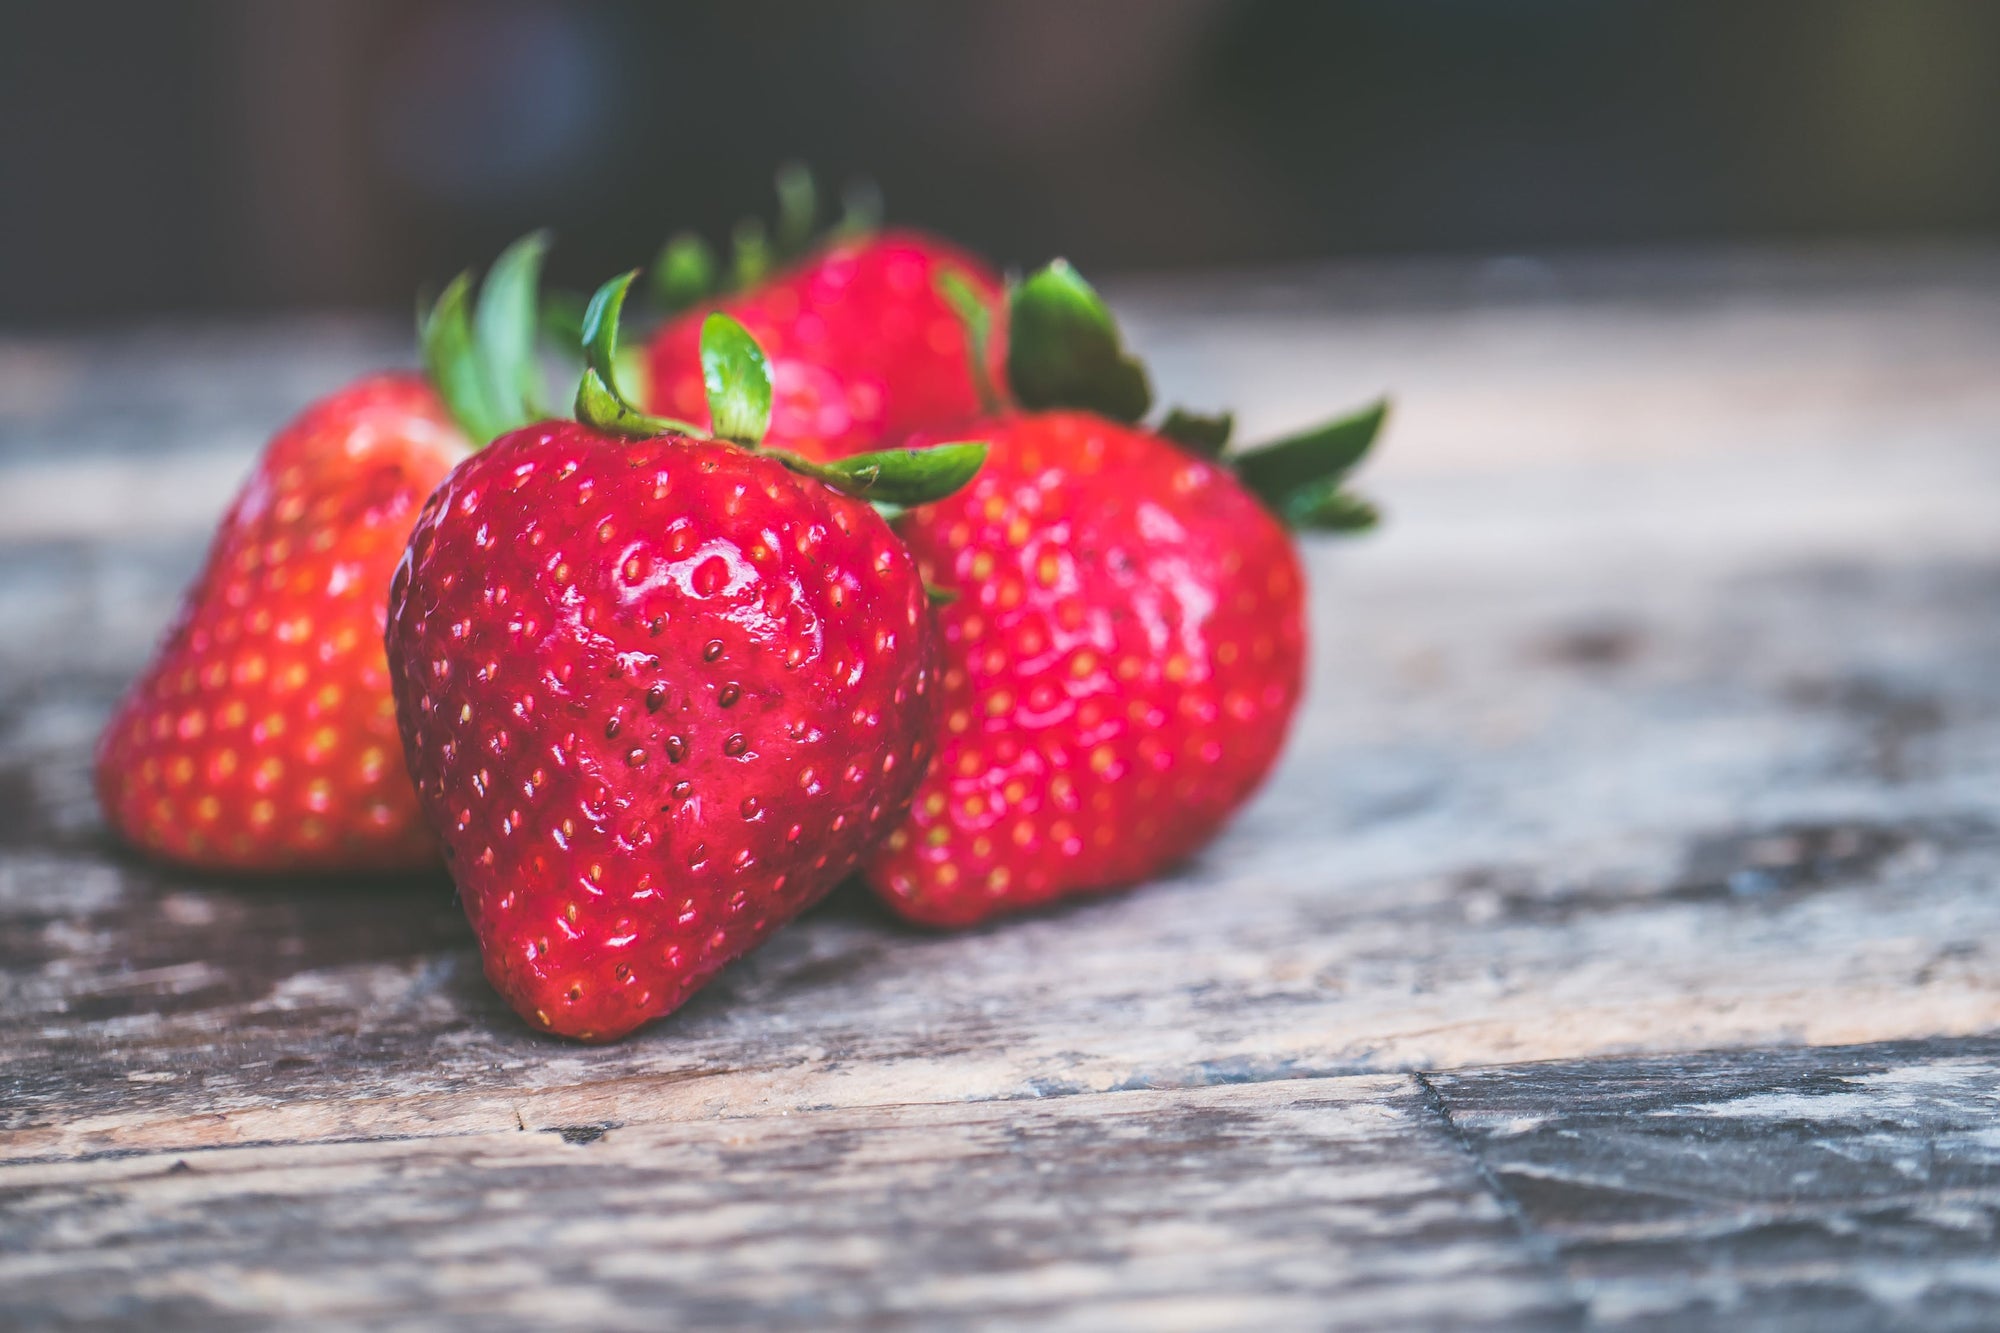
{"type": "Point", "coordinates": [1206, 436]}
{"type": "Point", "coordinates": [599, 400]}
{"type": "Point", "coordinates": [482, 356]}
{"type": "Point", "coordinates": [738, 380]}
{"type": "Point", "coordinates": [1064, 350]}
{"type": "Point", "coordinates": [688, 270]}
{"type": "Point", "coordinates": [1301, 478]}
{"type": "Point", "coordinates": [1300, 475]}
{"type": "Point", "coordinates": [1322, 506]}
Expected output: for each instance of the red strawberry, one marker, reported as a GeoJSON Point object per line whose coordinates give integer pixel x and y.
{"type": "Point", "coordinates": [864, 344]}
{"type": "Point", "coordinates": [262, 736]}
{"type": "Point", "coordinates": [660, 693]}
{"type": "Point", "coordinates": [1127, 647]}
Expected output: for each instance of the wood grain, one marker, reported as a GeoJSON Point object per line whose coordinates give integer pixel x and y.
{"type": "Point", "coordinates": [1857, 1189]}
{"type": "Point", "coordinates": [1663, 717]}
{"type": "Point", "coordinates": [1334, 1202]}
{"type": "Point", "coordinates": [1767, 820]}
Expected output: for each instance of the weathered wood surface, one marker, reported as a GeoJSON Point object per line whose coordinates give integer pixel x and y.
{"type": "Point", "coordinates": [1339, 1199]}
{"type": "Point", "coordinates": [1849, 1189]}
{"type": "Point", "coordinates": [1664, 717]}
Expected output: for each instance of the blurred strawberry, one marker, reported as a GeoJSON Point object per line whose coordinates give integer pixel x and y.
{"type": "Point", "coordinates": [1128, 642]}
{"type": "Point", "coordinates": [864, 343]}
{"type": "Point", "coordinates": [262, 736]}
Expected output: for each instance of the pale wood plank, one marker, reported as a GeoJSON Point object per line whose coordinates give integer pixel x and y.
{"type": "Point", "coordinates": [1338, 1203]}
{"type": "Point", "coordinates": [1672, 748]}
{"type": "Point", "coordinates": [1454, 868]}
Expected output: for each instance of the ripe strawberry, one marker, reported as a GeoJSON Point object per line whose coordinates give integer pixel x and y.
{"type": "Point", "coordinates": [1128, 644]}
{"type": "Point", "coordinates": [262, 736]}
{"type": "Point", "coordinates": [659, 692]}
{"type": "Point", "coordinates": [864, 345]}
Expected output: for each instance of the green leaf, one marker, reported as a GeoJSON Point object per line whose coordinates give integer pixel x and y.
{"type": "Point", "coordinates": [599, 404]}
{"type": "Point", "coordinates": [750, 254]}
{"type": "Point", "coordinates": [451, 359]}
{"type": "Point", "coordinates": [1206, 436]}
{"type": "Point", "coordinates": [685, 273]}
{"type": "Point", "coordinates": [1064, 349]}
{"type": "Point", "coordinates": [940, 596]}
{"type": "Point", "coordinates": [738, 379]}
{"type": "Point", "coordinates": [1321, 506]}
{"type": "Point", "coordinates": [504, 331]}
{"type": "Point", "coordinates": [898, 476]}
{"type": "Point", "coordinates": [600, 324]}
{"type": "Point", "coordinates": [598, 401]}
{"type": "Point", "coordinates": [977, 316]}
{"type": "Point", "coordinates": [1325, 453]}
{"type": "Point", "coordinates": [798, 209]}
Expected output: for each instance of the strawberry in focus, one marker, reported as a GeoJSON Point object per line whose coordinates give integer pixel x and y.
{"type": "Point", "coordinates": [865, 343]}
{"type": "Point", "coordinates": [1127, 647]}
{"type": "Point", "coordinates": [262, 736]}
{"type": "Point", "coordinates": [659, 692]}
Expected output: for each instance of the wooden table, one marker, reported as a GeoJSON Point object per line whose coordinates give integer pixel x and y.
{"type": "Point", "coordinates": [1615, 947]}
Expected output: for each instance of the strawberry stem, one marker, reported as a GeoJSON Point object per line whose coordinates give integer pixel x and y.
{"type": "Point", "coordinates": [688, 271]}
{"type": "Point", "coordinates": [1326, 452]}
{"type": "Point", "coordinates": [899, 477]}
{"type": "Point", "coordinates": [1301, 476]}
{"type": "Point", "coordinates": [1324, 507]}
{"type": "Point", "coordinates": [444, 336]}
{"type": "Point", "coordinates": [504, 329]}
{"type": "Point", "coordinates": [598, 400]}
{"type": "Point", "coordinates": [738, 379]}
{"type": "Point", "coordinates": [483, 362]}
{"type": "Point", "coordinates": [1207, 436]}
{"type": "Point", "coordinates": [1064, 349]}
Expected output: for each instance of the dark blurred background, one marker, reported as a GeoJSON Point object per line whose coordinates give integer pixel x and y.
{"type": "Point", "coordinates": [173, 155]}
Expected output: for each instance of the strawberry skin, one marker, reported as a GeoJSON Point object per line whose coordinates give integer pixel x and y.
{"type": "Point", "coordinates": [262, 736]}
{"type": "Point", "coordinates": [1119, 668]}
{"type": "Point", "coordinates": [658, 697]}
{"type": "Point", "coordinates": [862, 346]}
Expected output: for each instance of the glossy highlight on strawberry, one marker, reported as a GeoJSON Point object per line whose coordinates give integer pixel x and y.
{"type": "Point", "coordinates": [659, 691]}
{"type": "Point", "coordinates": [1127, 642]}
{"type": "Point", "coordinates": [658, 696]}
{"type": "Point", "coordinates": [1122, 662]}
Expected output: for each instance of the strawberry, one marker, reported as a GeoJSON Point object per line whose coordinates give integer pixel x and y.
{"type": "Point", "coordinates": [658, 691]}
{"type": "Point", "coordinates": [262, 735]}
{"type": "Point", "coordinates": [1128, 643]}
{"type": "Point", "coordinates": [864, 345]}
